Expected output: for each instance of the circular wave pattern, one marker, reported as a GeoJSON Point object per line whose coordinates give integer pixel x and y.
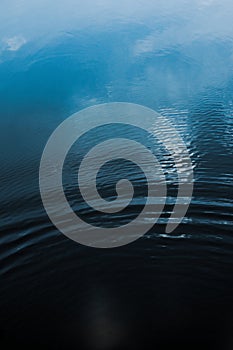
{"type": "Point", "coordinates": [68, 132]}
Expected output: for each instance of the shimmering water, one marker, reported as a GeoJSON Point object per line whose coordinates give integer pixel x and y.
{"type": "Point", "coordinates": [175, 57]}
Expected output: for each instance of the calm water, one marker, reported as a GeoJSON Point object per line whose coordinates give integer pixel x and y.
{"type": "Point", "coordinates": [177, 289]}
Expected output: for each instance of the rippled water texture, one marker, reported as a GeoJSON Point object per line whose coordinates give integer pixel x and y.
{"type": "Point", "coordinates": [176, 289]}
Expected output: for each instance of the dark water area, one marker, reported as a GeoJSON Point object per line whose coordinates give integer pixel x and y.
{"type": "Point", "coordinates": [163, 290]}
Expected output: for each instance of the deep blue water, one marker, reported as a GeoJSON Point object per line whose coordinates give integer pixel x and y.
{"type": "Point", "coordinates": [171, 290]}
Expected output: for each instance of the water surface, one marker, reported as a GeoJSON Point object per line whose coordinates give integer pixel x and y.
{"type": "Point", "coordinates": [176, 289]}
